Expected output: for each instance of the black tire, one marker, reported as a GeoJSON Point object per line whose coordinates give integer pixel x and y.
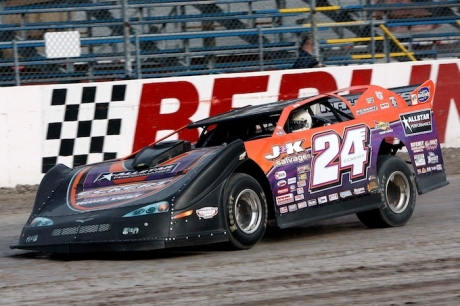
{"type": "Point", "coordinates": [245, 211]}
{"type": "Point", "coordinates": [398, 193]}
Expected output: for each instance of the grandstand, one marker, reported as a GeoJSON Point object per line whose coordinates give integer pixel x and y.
{"type": "Point", "coordinates": [126, 39]}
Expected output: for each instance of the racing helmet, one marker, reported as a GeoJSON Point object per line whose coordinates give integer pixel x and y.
{"type": "Point", "coordinates": [300, 120]}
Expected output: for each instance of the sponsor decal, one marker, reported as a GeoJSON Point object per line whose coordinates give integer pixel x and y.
{"type": "Point", "coordinates": [393, 101]}
{"type": "Point", "coordinates": [432, 158]}
{"type": "Point", "coordinates": [345, 194]}
{"type": "Point", "coordinates": [423, 94]}
{"type": "Point", "coordinates": [333, 197]}
{"type": "Point", "coordinates": [384, 105]}
{"type": "Point", "coordinates": [283, 190]}
{"type": "Point", "coordinates": [439, 167]}
{"type": "Point", "coordinates": [121, 175]}
{"type": "Point", "coordinates": [281, 183]}
{"type": "Point", "coordinates": [243, 155]}
{"type": "Point", "coordinates": [303, 169]}
{"type": "Point", "coordinates": [312, 202]}
{"type": "Point", "coordinates": [417, 122]}
{"type": "Point", "coordinates": [431, 145]}
{"type": "Point", "coordinates": [419, 160]}
{"type": "Point", "coordinates": [302, 204]}
{"type": "Point", "coordinates": [366, 110]}
{"type": "Point", "coordinates": [292, 180]}
{"type": "Point", "coordinates": [280, 175]}
{"type": "Point", "coordinates": [207, 212]}
{"type": "Point", "coordinates": [300, 190]}
{"type": "Point", "coordinates": [419, 171]}
{"type": "Point", "coordinates": [428, 169]}
{"type": "Point", "coordinates": [283, 209]}
{"type": "Point", "coordinates": [379, 95]}
{"type": "Point", "coordinates": [299, 197]}
{"type": "Point", "coordinates": [298, 158]}
{"type": "Point", "coordinates": [301, 183]}
{"type": "Point", "coordinates": [292, 207]}
{"type": "Point", "coordinates": [383, 126]}
{"type": "Point", "coordinates": [322, 200]}
{"type": "Point", "coordinates": [413, 99]}
{"type": "Point", "coordinates": [292, 187]}
{"type": "Point", "coordinates": [302, 177]}
{"type": "Point", "coordinates": [417, 146]}
{"type": "Point", "coordinates": [288, 149]}
{"type": "Point", "coordinates": [372, 186]}
{"type": "Point", "coordinates": [106, 200]}
{"type": "Point", "coordinates": [130, 230]}
{"type": "Point", "coordinates": [285, 199]}
{"type": "Point", "coordinates": [370, 100]}
{"type": "Point", "coordinates": [131, 189]}
{"type": "Point", "coordinates": [280, 133]}
{"type": "Point", "coordinates": [423, 170]}
{"type": "Point", "coordinates": [360, 190]}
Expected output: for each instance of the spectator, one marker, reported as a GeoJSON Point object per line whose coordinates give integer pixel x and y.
{"type": "Point", "coordinates": [305, 58]}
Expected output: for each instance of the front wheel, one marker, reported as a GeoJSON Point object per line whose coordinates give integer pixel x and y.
{"type": "Point", "coordinates": [246, 211]}
{"type": "Point", "coordinates": [398, 194]}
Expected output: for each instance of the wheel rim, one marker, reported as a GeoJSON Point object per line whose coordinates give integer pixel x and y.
{"type": "Point", "coordinates": [248, 210]}
{"type": "Point", "coordinates": [397, 192]}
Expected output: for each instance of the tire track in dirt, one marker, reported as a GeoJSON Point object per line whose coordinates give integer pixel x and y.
{"type": "Point", "coordinates": [335, 262]}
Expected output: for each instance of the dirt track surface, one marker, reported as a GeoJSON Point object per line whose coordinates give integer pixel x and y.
{"type": "Point", "coordinates": [335, 262]}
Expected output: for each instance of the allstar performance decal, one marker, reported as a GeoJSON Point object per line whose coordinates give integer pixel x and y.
{"type": "Point", "coordinates": [417, 122]}
{"type": "Point", "coordinates": [114, 176]}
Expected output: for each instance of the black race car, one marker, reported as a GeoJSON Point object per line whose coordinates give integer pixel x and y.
{"type": "Point", "coordinates": [292, 161]}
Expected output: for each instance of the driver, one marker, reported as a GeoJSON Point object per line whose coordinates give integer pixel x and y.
{"type": "Point", "coordinates": [300, 120]}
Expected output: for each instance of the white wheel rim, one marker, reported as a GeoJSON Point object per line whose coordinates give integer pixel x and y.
{"type": "Point", "coordinates": [248, 211]}
{"type": "Point", "coordinates": [397, 192]}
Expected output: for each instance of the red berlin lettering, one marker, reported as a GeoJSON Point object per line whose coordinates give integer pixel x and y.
{"type": "Point", "coordinates": [150, 121]}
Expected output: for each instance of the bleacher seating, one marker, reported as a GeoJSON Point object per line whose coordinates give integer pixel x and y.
{"type": "Point", "coordinates": [176, 38]}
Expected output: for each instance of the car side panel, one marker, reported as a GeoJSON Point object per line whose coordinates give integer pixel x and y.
{"type": "Point", "coordinates": [310, 183]}
{"type": "Point", "coordinates": [317, 174]}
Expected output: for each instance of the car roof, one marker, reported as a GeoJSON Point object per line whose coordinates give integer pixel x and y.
{"type": "Point", "coordinates": [246, 112]}
{"type": "Point", "coordinates": [277, 107]}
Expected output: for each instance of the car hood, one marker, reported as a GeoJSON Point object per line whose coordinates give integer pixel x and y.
{"type": "Point", "coordinates": [117, 184]}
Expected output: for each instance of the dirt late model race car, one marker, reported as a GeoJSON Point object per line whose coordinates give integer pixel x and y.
{"type": "Point", "coordinates": [292, 161]}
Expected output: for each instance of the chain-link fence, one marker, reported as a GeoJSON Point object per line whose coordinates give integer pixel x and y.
{"type": "Point", "coordinates": [88, 40]}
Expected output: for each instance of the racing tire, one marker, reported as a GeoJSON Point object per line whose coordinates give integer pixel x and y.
{"type": "Point", "coordinates": [245, 211]}
{"type": "Point", "coordinates": [397, 188]}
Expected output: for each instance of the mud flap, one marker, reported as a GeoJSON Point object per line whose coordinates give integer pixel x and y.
{"type": "Point", "coordinates": [428, 183]}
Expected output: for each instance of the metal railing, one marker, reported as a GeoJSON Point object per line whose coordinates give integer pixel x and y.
{"type": "Point", "coordinates": [143, 39]}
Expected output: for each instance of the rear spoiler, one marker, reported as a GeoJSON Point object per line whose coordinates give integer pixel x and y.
{"type": "Point", "coordinates": [403, 91]}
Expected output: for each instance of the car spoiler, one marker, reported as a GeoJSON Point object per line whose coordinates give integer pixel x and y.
{"type": "Point", "coordinates": [403, 91]}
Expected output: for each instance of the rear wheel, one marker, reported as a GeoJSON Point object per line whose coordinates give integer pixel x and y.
{"type": "Point", "coordinates": [246, 211]}
{"type": "Point", "coordinates": [398, 194]}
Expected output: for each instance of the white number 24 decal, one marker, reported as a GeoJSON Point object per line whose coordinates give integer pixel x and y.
{"type": "Point", "coordinates": [333, 156]}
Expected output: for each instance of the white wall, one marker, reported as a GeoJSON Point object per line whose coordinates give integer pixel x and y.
{"type": "Point", "coordinates": [26, 112]}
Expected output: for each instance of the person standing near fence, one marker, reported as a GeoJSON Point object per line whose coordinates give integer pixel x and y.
{"type": "Point", "coordinates": [306, 59]}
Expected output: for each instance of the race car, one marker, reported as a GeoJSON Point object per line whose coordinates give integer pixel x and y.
{"type": "Point", "coordinates": [293, 162]}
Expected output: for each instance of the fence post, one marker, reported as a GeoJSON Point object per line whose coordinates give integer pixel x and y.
{"type": "Point", "coordinates": [138, 57]}
{"type": "Point", "coordinates": [16, 63]}
{"type": "Point", "coordinates": [372, 40]}
{"type": "Point", "coordinates": [314, 29]}
{"type": "Point", "coordinates": [126, 44]}
{"type": "Point", "coordinates": [261, 49]}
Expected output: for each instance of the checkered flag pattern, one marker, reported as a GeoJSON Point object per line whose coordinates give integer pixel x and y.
{"type": "Point", "coordinates": [82, 126]}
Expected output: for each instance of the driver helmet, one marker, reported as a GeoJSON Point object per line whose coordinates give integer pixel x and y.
{"type": "Point", "coordinates": [300, 120]}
